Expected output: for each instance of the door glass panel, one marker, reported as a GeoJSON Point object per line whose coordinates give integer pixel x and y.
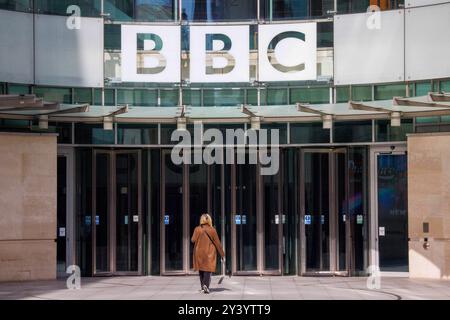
{"type": "Point", "coordinates": [127, 215]}
{"type": "Point", "coordinates": [342, 212]}
{"type": "Point", "coordinates": [358, 206]}
{"type": "Point", "coordinates": [272, 220]}
{"type": "Point", "coordinates": [198, 198]}
{"type": "Point", "coordinates": [245, 216]}
{"type": "Point", "coordinates": [61, 215]}
{"type": "Point", "coordinates": [173, 215]}
{"type": "Point", "coordinates": [216, 204]}
{"type": "Point", "coordinates": [392, 212]}
{"type": "Point", "coordinates": [101, 214]}
{"type": "Point", "coordinates": [316, 215]}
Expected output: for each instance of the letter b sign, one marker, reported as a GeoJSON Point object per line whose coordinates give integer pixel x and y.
{"type": "Point", "coordinates": [219, 54]}
{"type": "Point", "coordinates": [150, 53]}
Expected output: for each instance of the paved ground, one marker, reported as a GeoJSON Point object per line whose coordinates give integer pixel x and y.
{"type": "Point", "coordinates": [254, 288]}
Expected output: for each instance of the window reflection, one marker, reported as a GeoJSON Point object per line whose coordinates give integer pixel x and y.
{"type": "Point", "coordinates": [354, 6]}
{"type": "Point", "coordinates": [140, 10]}
{"type": "Point", "coordinates": [218, 10]}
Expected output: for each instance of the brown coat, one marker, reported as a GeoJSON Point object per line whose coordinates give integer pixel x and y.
{"type": "Point", "coordinates": [204, 249]}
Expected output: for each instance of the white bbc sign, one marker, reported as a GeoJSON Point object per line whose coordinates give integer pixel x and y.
{"type": "Point", "coordinates": [287, 52]}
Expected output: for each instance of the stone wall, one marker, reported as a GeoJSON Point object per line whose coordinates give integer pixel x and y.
{"type": "Point", "coordinates": [429, 202]}
{"type": "Point", "coordinates": [27, 206]}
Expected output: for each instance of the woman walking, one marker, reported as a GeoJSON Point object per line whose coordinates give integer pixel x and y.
{"type": "Point", "coordinates": [206, 244]}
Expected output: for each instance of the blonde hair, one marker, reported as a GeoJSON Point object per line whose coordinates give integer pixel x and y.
{"type": "Point", "coordinates": [206, 219]}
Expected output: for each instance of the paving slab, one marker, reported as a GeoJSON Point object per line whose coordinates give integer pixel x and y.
{"type": "Point", "coordinates": [234, 288]}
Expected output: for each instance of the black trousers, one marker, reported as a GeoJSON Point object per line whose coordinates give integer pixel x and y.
{"type": "Point", "coordinates": [205, 278]}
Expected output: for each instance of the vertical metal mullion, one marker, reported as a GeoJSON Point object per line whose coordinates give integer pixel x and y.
{"type": "Point", "coordinates": [373, 130]}
{"type": "Point", "coordinates": [209, 188]}
{"type": "Point", "coordinates": [115, 133]}
{"type": "Point", "coordinates": [258, 11]}
{"type": "Point", "coordinates": [73, 132]}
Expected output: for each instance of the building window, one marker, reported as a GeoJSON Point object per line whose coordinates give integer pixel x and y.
{"type": "Point", "coordinates": [422, 88]}
{"type": "Point", "coordinates": [137, 134]}
{"type": "Point", "coordinates": [223, 97]}
{"type": "Point", "coordinates": [325, 34]}
{"type": "Point", "coordinates": [59, 7]}
{"type": "Point", "coordinates": [276, 97]}
{"type": "Point", "coordinates": [282, 131]}
{"type": "Point", "coordinates": [384, 131]}
{"type": "Point", "coordinates": [295, 9]}
{"type": "Point", "coordinates": [18, 89]}
{"type": "Point", "coordinates": [109, 97]}
{"type": "Point", "coordinates": [303, 133]}
{"type": "Point", "coordinates": [361, 93]}
{"type": "Point", "coordinates": [444, 86]}
{"type": "Point", "coordinates": [63, 129]}
{"type": "Point", "coordinates": [82, 95]}
{"type": "Point", "coordinates": [93, 134]}
{"type": "Point", "coordinates": [219, 10]}
{"type": "Point", "coordinates": [386, 92]}
{"type": "Point", "coordinates": [355, 6]}
{"type": "Point", "coordinates": [112, 37]}
{"type": "Point", "coordinates": [192, 97]}
{"type": "Point", "coordinates": [169, 98]}
{"type": "Point", "coordinates": [137, 97]}
{"type": "Point", "coordinates": [342, 94]}
{"type": "Point", "coordinates": [352, 131]}
{"type": "Point", "coordinates": [17, 5]}
{"type": "Point", "coordinates": [61, 95]}
{"type": "Point", "coordinates": [140, 10]}
{"type": "Point", "coordinates": [310, 95]}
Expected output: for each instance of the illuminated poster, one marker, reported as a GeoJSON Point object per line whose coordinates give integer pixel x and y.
{"type": "Point", "coordinates": [150, 53]}
{"type": "Point", "coordinates": [219, 54]}
{"type": "Point", "coordinates": [287, 52]}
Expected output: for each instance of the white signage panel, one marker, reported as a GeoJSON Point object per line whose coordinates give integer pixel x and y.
{"type": "Point", "coordinates": [16, 47]}
{"type": "Point", "coordinates": [427, 56]}
{"type": "Point", "coordinates": [150, 53]}
{"type": "Point", "coordinates": [219, 54]}
{"type": "Point", "coordinates": [369, 47]}
{"type": "Point", "coordinates": [287, 52]}
{"type": "Point", "coordinates": [68, 56]}
{"type": "Point", "coordinates": [418, 3]}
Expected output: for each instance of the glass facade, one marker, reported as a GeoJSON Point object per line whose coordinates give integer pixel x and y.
{"type": "Point", "coordinates": [227, 191]}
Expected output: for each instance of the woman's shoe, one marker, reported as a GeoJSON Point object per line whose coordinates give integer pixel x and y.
{"type": "Point", "coordinates": [205, 289]}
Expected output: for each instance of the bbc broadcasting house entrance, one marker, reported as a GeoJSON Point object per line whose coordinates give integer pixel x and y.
{"type": "Point", "coordinates": [337, 205]}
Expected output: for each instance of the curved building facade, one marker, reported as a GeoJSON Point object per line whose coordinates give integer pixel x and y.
{"type": "Point", "coordinates": [332, 90]}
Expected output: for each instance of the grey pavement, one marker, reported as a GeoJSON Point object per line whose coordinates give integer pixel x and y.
{"type": "Point", "coordinates": [235, 288]}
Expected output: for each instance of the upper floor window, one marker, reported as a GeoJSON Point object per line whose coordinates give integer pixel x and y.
{"type": "Point", "coordinates": [140, 10]}
{"type": "Point", "coordinates": [219, 10]}
{"type": "Point", "coordinates": [295, 9]}
{"type": "Point", "coordinates": [354, 6]}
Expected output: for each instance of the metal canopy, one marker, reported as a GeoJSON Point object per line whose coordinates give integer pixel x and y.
{"type": "Point", "coordinates": [29, 107]}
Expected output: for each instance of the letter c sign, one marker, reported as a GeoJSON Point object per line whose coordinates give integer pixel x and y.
{"type": "Point", "coordinates": [287, 52]}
